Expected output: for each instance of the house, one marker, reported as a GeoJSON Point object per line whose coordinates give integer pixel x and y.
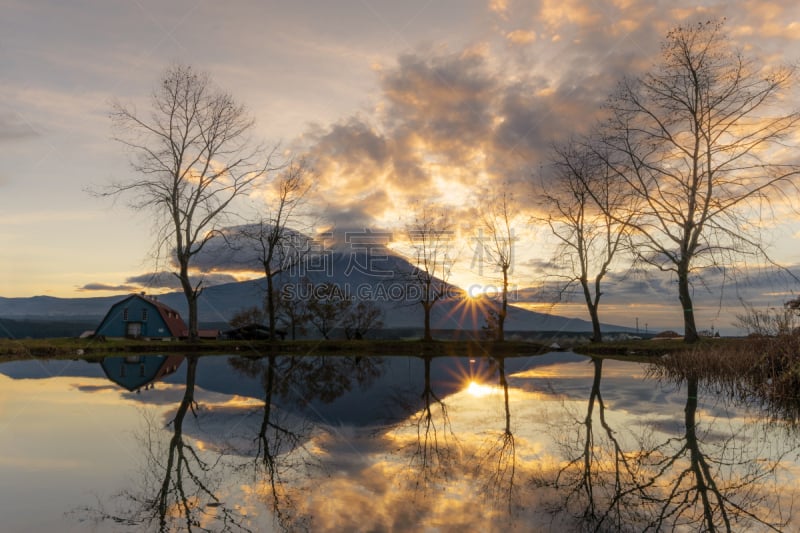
{"type": "Point", "coordinates": [141, 316]}
{"type": "Point", "coordinates": [252, 332]}
{"type": "Point", "coordinates": [206, 334]}
{"type": "Point", "coordinates": [137, 372]}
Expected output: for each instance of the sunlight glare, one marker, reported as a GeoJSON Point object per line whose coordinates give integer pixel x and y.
{"type": "Point", "coordinates": [479, 390]}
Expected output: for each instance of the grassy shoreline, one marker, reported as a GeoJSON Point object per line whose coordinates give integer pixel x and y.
{"type": "Point", "coordinates": [765, 368]}
{"type": "Point", "coordinates": [88, 348]}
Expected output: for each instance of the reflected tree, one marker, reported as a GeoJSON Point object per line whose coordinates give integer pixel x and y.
{"type": "Point", "coordinates": [434, 450]}
{"type": "Point", "coordinates": [600, 482]}
{"type": "Point", "coordinates": [710, 478]}
{"type": "Point", "coordinates": [434, 443]}
{"type": "Point", "coordinates": [713, 482]}
{"type": "Point", "coordinates": [497, 464]}
{"type": "Point", "coordinates": [281, 458]}
{"type": "Point", "coordinates": [181, 482]}
{"type": "Point", "coordinates": [277, 440]}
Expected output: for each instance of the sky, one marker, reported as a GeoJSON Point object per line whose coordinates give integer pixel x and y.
{"type": "Point", "coordinates": [395, 102]}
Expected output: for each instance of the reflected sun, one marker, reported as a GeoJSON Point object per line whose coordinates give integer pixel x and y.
{"type": "Point", "coordinates": [479, 390]}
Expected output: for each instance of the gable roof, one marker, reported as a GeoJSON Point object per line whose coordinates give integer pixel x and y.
{"type": "Point", "coordinates": [161, 367]}
{"type": "Point", "coordinates": [171, 317]}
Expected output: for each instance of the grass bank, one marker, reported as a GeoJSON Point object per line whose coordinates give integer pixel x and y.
{"type": "Point", "coordinates": [757, 370]}
{"type": "Point", "coordinates": [88, 348]}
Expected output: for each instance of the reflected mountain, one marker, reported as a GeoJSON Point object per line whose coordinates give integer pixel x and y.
{"type": "Point", "coordinates": [339, 443]}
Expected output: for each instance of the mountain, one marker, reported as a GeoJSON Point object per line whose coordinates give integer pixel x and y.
{"type": "Point", "coordinates": [383, 277]}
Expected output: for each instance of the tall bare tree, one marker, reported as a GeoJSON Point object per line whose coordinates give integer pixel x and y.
{"type": "Point", "coordinates": [583, 200]}
{"type": "Point", "coordinates": [497, 243]}
{"type": "Point", "coordinates": [700, 140]}
{"type": "Point", "coordinates": [277, 245]}
{"type": "Point", "coordinates": [328, 306]}
{"type": "Point", "coordinates": [193, 157]}
{"type": "Point", "coordinates": [429, 235]}
{"type": "Point", "coordinates": [361, 318]}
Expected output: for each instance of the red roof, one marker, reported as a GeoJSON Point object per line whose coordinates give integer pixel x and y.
{"type": "Point", "coordinates": [171, 317]}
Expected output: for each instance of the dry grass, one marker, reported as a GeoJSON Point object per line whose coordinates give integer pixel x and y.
{"type": "Point", "coordinates": [759, 370]}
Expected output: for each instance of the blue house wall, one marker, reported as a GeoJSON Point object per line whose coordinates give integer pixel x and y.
{"type": "Point", "coordinates": [136, 371]}
{"type": "Point", "coordinates": [133, 316]}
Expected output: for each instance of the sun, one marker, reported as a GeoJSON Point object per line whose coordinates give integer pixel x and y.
{"type": "Point", "coordinates": [479, 390]}
{"type": "Point", "coordinates": [477, 291]}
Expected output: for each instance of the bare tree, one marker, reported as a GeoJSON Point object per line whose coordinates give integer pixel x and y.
{"type": "Point", "coordinates": [193, 156]}
{"type": "Point", "coordinates": [277, 245]}
{"type": "Point", "coordinates": [363, 317]}
{"type": "Point", "coordinates": [700, 142]}
{"type": "Point", "coordinates": [245, 317]}
{"type": "Point", "coordinates": [293, 310]}
{"type": "Point", "coordinates": [327, 306]}
{"type": "Point", "coordinates": [497, 247]}
{"type": "Point", "coordinates": [430, 234]}
{"type": "Point", "coordinates": [583, 200]}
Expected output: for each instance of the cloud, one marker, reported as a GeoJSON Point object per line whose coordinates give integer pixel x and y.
{"type": "Point", "coordinates": [757, 286]}
{"type": "Point", "coordinates": [446, 122]}
{"type": "Point", "coordinates": [168, 280]}
{"type": "Point", "coordinates": [521, 37]}
{"type": "Point", "coordinates": [14, 128]}
{"type": "Point", "coordinates": [108, 287]}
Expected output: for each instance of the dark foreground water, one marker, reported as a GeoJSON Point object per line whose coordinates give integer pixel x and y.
{"type": "Point", "coordinates": [549, 443]}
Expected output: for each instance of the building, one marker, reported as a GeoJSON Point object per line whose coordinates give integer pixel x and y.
{"type": "Point", "coordinates": [137, 372]}
{"type": "Point", "coordinates": [252, 332]}
{"type": "Point", "coordinates": [142, 317]}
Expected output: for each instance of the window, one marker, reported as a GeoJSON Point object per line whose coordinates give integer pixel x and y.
{"type": "Point", "coordinates": [125, 314]}
{"type": "Point", "coordinates": [144, 315]}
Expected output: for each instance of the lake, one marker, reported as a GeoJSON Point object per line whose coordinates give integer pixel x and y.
{"type": "Point", "coordinates": [557, 442]}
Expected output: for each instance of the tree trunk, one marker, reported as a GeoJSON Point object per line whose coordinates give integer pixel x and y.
{"type": "Point", "coordinates": [271, 306]}
{"type": "Point", "coordinates": [427, 307]}
{"type": "Point", "coordinates": [684, 293]}
{"type": "Point", "coordinates": [191, 302]}
{"type": "Point", "coordinates": [501, 316]}
{"type": "Point", "coordinates": [193, 320]}
{"type": "Point", "coordinates": [501, 369]}
{"type": "Point", "coordinates": [597, 335]}
{"type": "Point", "coordinates": [591, 305]}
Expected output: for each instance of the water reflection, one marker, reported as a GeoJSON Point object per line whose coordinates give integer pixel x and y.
{"type": "Point", "coordinates": [180, 484]}
{"type": "Point", "coordinates": [598, 479]}
{"type": "Point", "coordinates": [407, 444]}
{"type": "Point", "coordinates": [496, 459]}
{"type": "Point", "coordinates": [436, 445]}
{"type": "Point", "coordinates": [138, 372]}
{"type": "Point", "coordinates": [720, 474]}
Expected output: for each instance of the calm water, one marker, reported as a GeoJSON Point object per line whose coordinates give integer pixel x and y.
{"type": "Point", "coordinates": [550, 443]}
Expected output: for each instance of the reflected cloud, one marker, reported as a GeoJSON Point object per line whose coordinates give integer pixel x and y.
{"type": "Point", "coordinates": [536, 449]}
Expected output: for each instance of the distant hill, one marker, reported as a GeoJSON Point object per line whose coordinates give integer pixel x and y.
{"type": "Point", "coordinates": [387, 284]}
